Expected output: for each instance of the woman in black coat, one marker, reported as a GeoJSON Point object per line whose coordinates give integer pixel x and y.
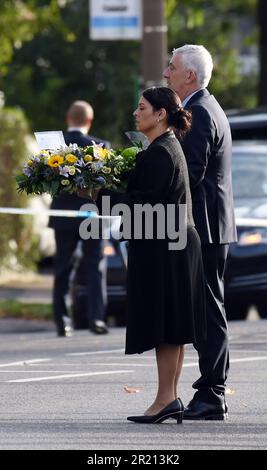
{"type": "Point", "coordinates": [166, 296]}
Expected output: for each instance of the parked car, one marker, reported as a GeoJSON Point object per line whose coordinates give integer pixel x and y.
{"type": "Point", "coordinates": [249, 124]}
{"type": "Point", "coordinates": [246, 271]}
{"type": "Point", "coordinates": [116, 255]}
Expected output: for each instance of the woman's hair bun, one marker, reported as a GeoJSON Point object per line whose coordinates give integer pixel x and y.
{"type": "Point", "coordinates": [181, 120]}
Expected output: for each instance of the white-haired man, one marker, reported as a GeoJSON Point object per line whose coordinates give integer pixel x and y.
{"type": "Point", "coordinates": [208, 151]}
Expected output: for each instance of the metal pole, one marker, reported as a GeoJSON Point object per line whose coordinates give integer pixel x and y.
{"type": "Point", "coordinates": [154, 45]}
{"type": "Point", "coordinates": [262, 93]}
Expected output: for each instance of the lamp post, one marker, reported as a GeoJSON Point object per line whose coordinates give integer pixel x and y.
{"type": "Point", "coordinates": [154, 44]}
{"type": "Point", "coordinates": [262, 10]}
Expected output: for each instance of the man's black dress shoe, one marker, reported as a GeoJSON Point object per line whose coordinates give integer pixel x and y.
{"type": "Point", "coordinates": [99, 327]}
{"type": "Point", "coordinates": [174, 410]}
{"type": "Point", "coordinates": [198, 409]}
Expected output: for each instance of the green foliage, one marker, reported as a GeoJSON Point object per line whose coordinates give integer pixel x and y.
{"type": "Point", "coordinates": [14, 309]}
{"type": "Point", "coordinates": [213, 25]}
{"type": "Point", "coordinates": [16, 240]}
{"type": "Point", "coordinates": [61, 65]}
{"type": "Point", "coordinates": [55, 62]}
{"type": "Point", "coordinates": [20, 21]}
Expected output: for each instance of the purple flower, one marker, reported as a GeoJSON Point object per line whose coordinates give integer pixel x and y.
{"type": "Point", "coordinates": [81, 163]}
{"type": "Point", "coordinates": [64, 171]}
{"type": "Point", "coordinates": [27, 171]}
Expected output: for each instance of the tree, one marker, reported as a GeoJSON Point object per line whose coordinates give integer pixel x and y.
{"type": "Point", "coordinates": [19, 22]}
{"type": "Point", "coordinates": [213, 24]}
{"type": "Point", "coordinates": [58, 66]}
{"type": "Point", "coordinates": [58, 63]}
{"type": "Point", "coordinates": [17, 246]}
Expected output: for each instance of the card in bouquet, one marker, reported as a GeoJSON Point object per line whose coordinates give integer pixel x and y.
{"type": "Point", "coordinates": [50, 140]}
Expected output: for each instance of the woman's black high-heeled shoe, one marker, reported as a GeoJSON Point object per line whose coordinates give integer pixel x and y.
{"type": "Point", "coordinates": [174, 410]}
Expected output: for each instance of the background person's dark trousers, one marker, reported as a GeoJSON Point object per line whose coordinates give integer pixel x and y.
{"type": "Point", "coordinates": [96, 280]}
{"type": "Point", "coordinates": [214, 353]}
{"type": "Point", "coordinates": [66, 242]}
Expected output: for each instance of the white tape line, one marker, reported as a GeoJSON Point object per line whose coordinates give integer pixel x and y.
{"type": "Point", "coordinates": [55, 212]}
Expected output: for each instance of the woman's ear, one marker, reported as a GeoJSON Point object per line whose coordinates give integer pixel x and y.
{"type": "Point", "coordinates": [162, 114]}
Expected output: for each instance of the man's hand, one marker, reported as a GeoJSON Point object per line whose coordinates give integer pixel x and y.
{"type": "Point", "coordinates": [85, 193]}
{"type": "Point", "coordinates": [89, 193]}
{"type": "Point", "coordinates": [95, 192]}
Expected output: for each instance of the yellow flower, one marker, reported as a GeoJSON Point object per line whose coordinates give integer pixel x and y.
{"type": "Point", "coordinates": [72, 170]}
{"type": "Point", "coordinates": [55, 161]}
{"type": "Point", "coordinates": [88, 158]}
{"type": "Point", "coordinates": [65, 182]}
{"type": "Point", "coordinates": [106, 170]}
{"type": "Point", "coordinates": [70, 158]}
{"type": "Point", "coordinates": [29, 162]}
{"type": "Point", "coordinates": [102, 153]}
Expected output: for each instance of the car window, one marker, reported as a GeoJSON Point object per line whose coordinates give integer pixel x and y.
{"type": "Point", "coordinates": [249, 175]}
{"type": "Point", "coordinates": [256, 133]}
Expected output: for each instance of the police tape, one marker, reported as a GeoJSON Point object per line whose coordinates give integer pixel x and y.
{"type": "Point", "coordinates": [244, 222]}
{"type": "Point", "coordinates": [55, 212]}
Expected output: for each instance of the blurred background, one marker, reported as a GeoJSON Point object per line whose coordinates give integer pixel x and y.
{"type": "Point", "coordinates": [53, 52]}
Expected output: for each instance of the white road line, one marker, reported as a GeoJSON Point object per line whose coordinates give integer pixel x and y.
{"type": "Point", "coordinates": [67, 376]}
{"type": "Point", "coordinates": [88, 374]}
{"type": "Point", "coordinates": [249, 359]}
{"type": "Point", "coordinates": [247, 351]}
{"type": "Point", "coordinates": [95, 352]}
{"type": "Point", "coordinates": [94, 364]}
{"type": "Point", "coordinates": [97, 364]}
{"type": "Point", "coordinates": [244, 359]}
{"type": "Point", "coordinates": [25, 363]}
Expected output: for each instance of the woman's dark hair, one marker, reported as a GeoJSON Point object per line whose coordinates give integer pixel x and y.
{"type": "Point", "coordinates": [177, 117]}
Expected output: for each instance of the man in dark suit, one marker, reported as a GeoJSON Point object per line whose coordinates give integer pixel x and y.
{"type": "Point", "coordinates": [79, 119]}
{"type": "Point", "coordinates": [208, 151]}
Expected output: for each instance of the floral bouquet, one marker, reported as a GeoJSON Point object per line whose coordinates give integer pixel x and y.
{"type": "Point", "coordinates": [73, 168]}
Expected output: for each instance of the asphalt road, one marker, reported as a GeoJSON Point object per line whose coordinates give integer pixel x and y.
{"type": "Point", "coordinates": [68, 393]}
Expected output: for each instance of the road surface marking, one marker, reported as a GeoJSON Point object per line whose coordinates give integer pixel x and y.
{"type": "Point", "coordinates": [25, 363]}
{"type": "Point", "coordinates": [95, 352]}
{"type": "Point", "coordinates": [249, 359]}
{"type": "Point", "coordinates": [67, 376]}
